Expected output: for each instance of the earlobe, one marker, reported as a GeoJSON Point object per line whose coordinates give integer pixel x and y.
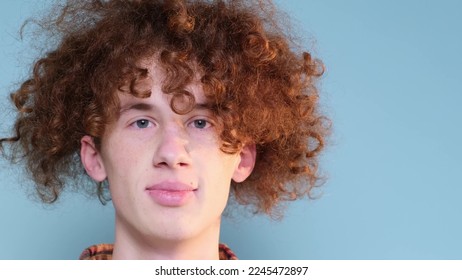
{"type": "Point", "coordinates": [91, 159]}
{"type": "Point", "coordinates": [248, 156]}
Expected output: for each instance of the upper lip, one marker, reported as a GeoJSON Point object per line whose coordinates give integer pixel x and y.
{"type": "Point", "coordinates": [171, 186]}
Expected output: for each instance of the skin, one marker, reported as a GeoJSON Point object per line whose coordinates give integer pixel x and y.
{"type": "Point", "coordinates": [168, 178]}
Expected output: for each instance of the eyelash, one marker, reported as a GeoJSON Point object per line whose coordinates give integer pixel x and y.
{"type": "Point", "coordinates": [207, 123]}
{"type": "Point", "coordinates": [148, 122]}
{"type": "Point", "coordinates": [194, 122]}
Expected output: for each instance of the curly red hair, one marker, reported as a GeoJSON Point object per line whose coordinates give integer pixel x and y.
{"type": "Point", "coordinates": [255, 81]}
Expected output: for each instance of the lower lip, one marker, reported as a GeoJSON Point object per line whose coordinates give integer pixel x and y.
{"type": "Point", "coordinates": [171, 198]}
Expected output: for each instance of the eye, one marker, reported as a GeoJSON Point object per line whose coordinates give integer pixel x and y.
{"type": "Point", "coordinates": [201, 123]}
{"type": "Point", "coordinates": [143, 123]}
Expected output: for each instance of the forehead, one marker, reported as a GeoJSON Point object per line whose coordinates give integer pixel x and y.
{"type": "Point", "coordinates": [157, 80]}
{"type": "Point", "coordinates": [158, 76]}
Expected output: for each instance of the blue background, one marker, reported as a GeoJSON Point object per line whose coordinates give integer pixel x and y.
{"type": "Point", "coordinates": [393, 90]}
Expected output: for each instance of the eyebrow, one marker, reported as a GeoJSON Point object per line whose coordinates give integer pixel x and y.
{"type": "Point", "coordinates": [140, 106]}
{"type": "Point", "coordinates": [136, 106]}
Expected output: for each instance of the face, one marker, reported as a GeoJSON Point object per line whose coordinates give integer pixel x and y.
{"type": "Point", "coordinates": [167, 176]}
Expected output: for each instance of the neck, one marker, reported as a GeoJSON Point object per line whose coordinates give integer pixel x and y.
{"type": "Point", "coordinates": [130, 246]}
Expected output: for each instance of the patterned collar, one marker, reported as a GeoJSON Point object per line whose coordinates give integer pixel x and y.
{"type": "Point", "coordinates": [104, 252]}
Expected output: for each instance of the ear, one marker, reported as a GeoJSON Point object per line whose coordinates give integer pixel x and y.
{"type": "Point", "coordinates": [91, 159]}
{"type": "Point", "coordinates": [248, 156]}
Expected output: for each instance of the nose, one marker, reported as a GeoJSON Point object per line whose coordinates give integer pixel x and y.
{"type": "Point", "coordinates": [171, 149]}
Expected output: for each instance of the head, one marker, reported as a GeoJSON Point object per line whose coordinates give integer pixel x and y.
{"type": "Point", "coordinates": [226, 62]}
{"type": "Point", "coordinates": [162, 166]}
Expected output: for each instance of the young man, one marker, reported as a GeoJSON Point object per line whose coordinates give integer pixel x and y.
{"type": "Point", "coordinates": [171, 105]}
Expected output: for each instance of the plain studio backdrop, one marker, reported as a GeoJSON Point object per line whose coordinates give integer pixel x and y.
{"type": "Point", "coordinates": [394, 162]}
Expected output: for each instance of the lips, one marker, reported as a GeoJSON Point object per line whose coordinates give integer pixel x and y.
{"type": "Point", "coordinates": [171, 194]}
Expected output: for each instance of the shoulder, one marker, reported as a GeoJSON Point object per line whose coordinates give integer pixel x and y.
{"type": "Point", "coordinates": [226, 253]}
{"type": "Point", "coordinates": [104, 252]}
{"type": "Point", "coordinates": [97, 252]}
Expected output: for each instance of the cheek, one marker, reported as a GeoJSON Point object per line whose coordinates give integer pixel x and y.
{"type": "Point", "coordinates": [121, 159]}
{"type": "Point", "coordinates": [215, 167]}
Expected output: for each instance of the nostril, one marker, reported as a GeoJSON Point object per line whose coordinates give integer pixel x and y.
{"type": "Point", "coordinates": [171, 152]}
{"type": "Point", "coordinates": [163, 163]}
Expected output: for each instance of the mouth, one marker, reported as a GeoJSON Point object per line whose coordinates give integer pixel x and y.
{"type": "Point", "coordinates": [171, 194]}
